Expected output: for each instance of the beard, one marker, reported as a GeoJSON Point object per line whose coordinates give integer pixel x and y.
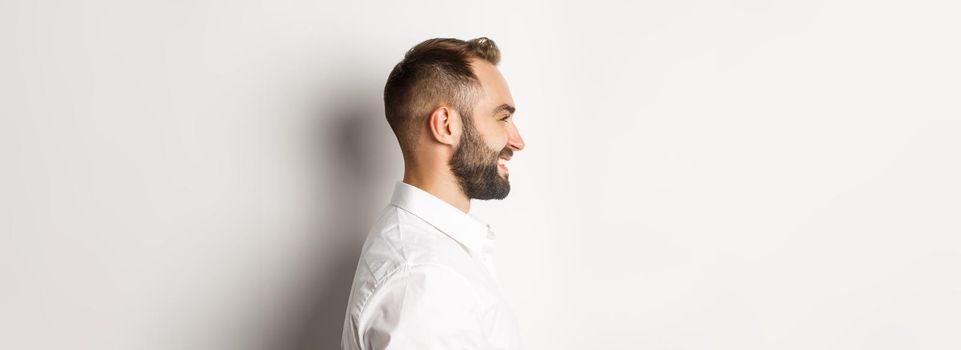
{"type": "Point", "coordinates": [475, 166]}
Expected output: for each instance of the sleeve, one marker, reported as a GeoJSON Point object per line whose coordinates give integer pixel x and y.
{"type": "Point", "coordinates": [424, 307]}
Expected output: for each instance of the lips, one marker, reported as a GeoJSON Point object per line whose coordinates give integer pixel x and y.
{"type": "Point", "coordinates": [505, 156]}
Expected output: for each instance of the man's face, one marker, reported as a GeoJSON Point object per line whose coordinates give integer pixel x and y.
{"type": "Point", "coordinates": [489, 138]}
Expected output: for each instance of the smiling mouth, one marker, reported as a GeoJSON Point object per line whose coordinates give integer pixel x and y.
{"type": "Point", "coordinates": [504, 157]}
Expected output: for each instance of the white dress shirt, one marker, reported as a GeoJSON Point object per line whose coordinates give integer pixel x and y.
{"type": "Point", "coordinates": [425, 280]}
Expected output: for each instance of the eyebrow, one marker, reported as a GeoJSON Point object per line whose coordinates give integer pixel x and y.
{"type": "Point", "coordinates": [504, 107]}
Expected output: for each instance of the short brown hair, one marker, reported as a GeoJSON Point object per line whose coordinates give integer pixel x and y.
{"type": "Point", "coordinates": [433, 73]}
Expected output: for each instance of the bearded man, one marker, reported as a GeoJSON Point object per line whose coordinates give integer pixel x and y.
{"type": "Point", "coordinates": [425, 278]}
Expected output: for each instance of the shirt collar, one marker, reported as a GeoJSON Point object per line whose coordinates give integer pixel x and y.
{"type": "Point", "coordinates": [462, 227]}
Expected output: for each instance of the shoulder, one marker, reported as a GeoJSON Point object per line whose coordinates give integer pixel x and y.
{"type": "Point", "coordinates": [430, 279]}
{"type": "Point", "coordinates": [401, 247]}
{"type": "Point", "coordinates": [399, 239]}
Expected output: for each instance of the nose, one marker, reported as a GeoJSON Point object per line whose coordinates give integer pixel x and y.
{"type": "Point", "coordinates": [514, 139]}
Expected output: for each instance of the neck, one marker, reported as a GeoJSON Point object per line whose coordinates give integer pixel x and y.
{"type": "Point", "coordinates": [444, 187]}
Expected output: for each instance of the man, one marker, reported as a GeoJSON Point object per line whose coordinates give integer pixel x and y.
{"type": "Point", "coordinates": [425, 279]}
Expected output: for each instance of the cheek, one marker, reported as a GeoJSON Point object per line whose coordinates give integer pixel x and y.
{"type": "Point", "coordinates": [497, 142]}
{"type": "Point", "coordinates": [498, 139]}
{"type": "Point", "coordinates": [495, 137]}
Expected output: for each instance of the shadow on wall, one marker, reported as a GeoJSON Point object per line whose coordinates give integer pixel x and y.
{"type": "Point", "coordinates": [354, 159]}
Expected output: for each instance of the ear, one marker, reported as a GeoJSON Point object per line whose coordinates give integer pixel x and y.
{"type": "Point", "coordinates": [444, 125]}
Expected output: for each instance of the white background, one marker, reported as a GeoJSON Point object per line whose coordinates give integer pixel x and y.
{"type": "Point", "coordinates": [698, 174]}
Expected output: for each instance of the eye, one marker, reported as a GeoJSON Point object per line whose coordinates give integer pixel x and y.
{"type": "Point", "coordinates": [505, 118]}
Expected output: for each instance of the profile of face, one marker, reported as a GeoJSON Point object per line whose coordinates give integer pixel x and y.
{"type": "Point", "coordinates": [489, 139]}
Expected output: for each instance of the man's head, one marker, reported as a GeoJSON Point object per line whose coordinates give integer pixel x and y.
{"type": "Point", "coordinates": [448, 105]}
